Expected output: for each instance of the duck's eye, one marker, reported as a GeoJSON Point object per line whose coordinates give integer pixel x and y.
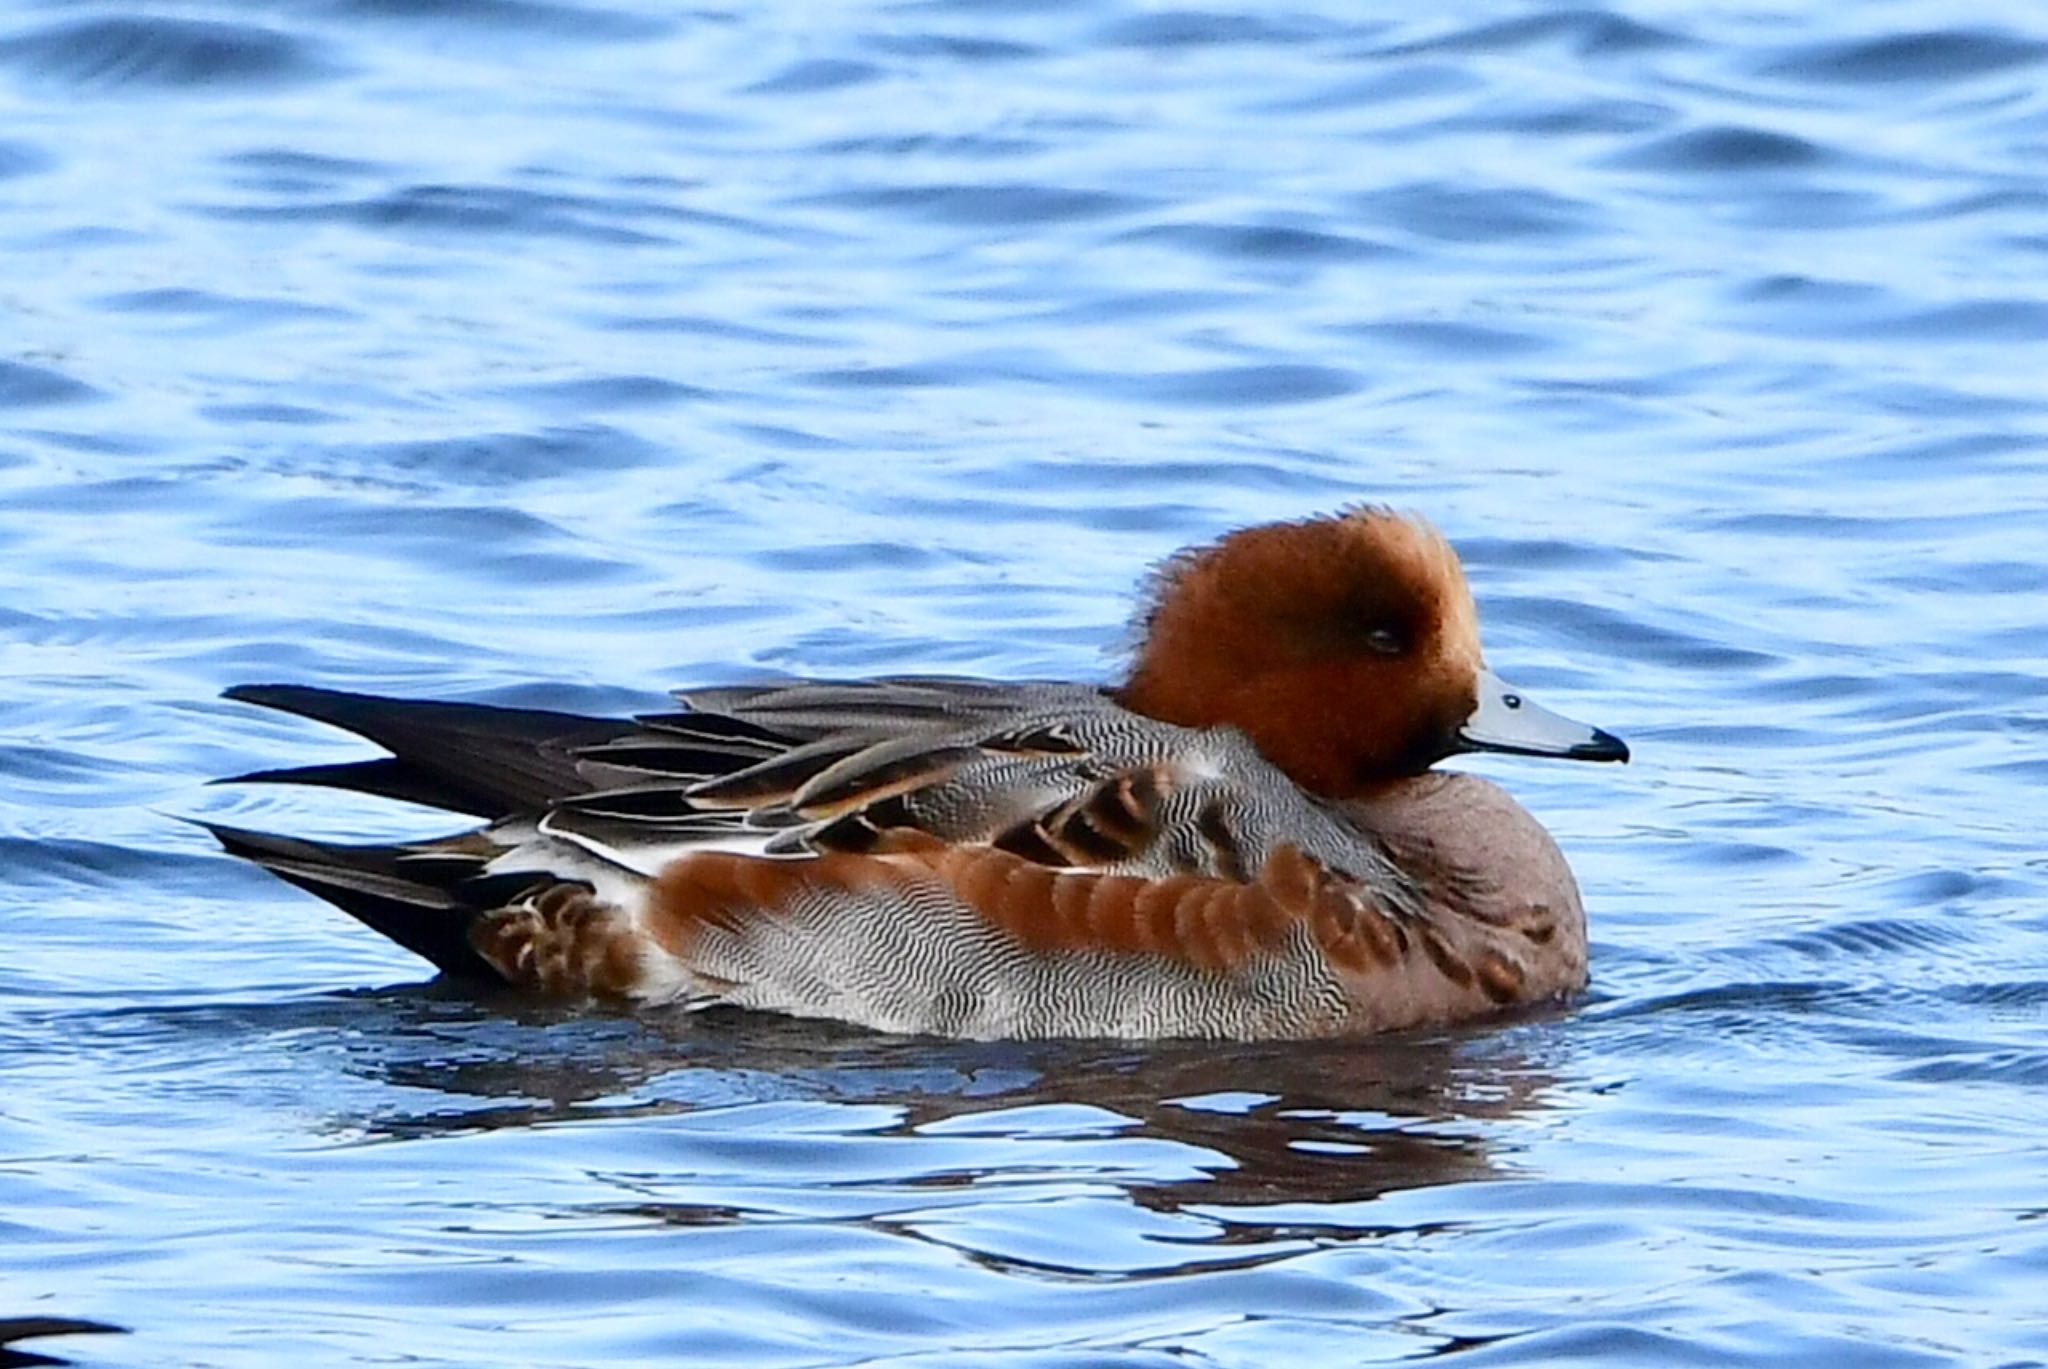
{"type": "Point", "coordinates": [1386, 641]}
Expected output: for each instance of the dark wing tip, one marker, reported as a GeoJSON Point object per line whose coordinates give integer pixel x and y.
{"type": "Point", "coordinates": [14, 1330]}
{"type": "Point", "coordinates": [271, 695]}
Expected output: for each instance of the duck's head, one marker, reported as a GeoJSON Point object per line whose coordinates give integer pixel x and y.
{"type": "Point", "coordinates": [1347, 647]}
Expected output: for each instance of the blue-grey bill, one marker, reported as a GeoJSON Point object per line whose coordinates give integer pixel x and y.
{"type": "Point", "coordinates": [1507, 720]}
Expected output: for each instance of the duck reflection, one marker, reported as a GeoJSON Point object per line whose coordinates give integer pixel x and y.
{"type": "Point", "coordinates": [1258, 1125]}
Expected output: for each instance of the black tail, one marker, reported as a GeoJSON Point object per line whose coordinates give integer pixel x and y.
{"type": "Point", "coordinates": [467, 758]}
{"type": "Point", "coordinates": [423, 899]}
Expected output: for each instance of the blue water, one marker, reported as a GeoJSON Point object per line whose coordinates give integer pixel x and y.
{"type": "Point", "coordinates": [561, 353]}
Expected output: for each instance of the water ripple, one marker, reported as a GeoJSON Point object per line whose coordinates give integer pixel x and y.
{"type": "Point", "coordinates": [1724, 149]}
{"type": "Point", "coordinates": [986, 205]}
{"type": "Point", "coordinates": [22, 386]}
{"type": "Point", "coordinates": [560, 352]}
{"type": "Point", "coordinates": [1934, 55]}
{"type": "Point", "coordinates": [1465, 213]}
{"type": "Point", "coordinates": [1255, 242]}
{"type": "Point", "coordinates": [1587, 32]}
{"type": "Point", "coordinates": [473, 209]}
{"type": "Point", "coordinates": [821, 74]}
{"type": "Point", "coordinates": [131, 51]}
{"type": "Point", "coordinates": [22, 159]}
{"type": "Point", "coordinates": [1175, 29]}
{"type": "Point", "coordinates": [495, 19]}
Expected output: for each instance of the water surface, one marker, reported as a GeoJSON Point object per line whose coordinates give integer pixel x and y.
{"type": "Point", "coordinates": [558, 354]}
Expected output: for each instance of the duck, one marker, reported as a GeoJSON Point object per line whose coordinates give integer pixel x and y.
{"type": "Point", "coordinates": [1243, 839]}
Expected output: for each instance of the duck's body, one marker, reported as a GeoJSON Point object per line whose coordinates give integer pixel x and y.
{"type": "Point", "coordinates": [1215, 849]}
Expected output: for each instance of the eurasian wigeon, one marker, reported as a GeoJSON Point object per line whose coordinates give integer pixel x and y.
{"type": "Point", "coordinates": [1243, 839]}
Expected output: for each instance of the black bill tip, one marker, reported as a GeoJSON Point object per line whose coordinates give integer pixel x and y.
{"type": "Point", "coordinates": [1603, 746]}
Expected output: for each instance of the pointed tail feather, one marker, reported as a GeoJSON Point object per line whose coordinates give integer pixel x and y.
{"type": "Point", "coordinates": [425, 905]}
{"type": "Point", "coordinates": [468, 758]}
